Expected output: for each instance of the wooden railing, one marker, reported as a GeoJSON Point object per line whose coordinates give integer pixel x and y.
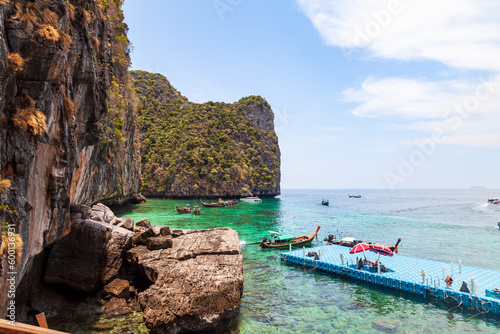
{"type": "Point", "coordinates": [20, 328]}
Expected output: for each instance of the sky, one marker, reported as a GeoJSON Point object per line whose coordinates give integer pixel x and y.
{"type": "Point", "coordinates": [396, 94]}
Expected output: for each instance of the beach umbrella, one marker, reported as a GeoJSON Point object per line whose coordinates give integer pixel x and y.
{"type": "Point", "coordinates": [361, 247]}
{"type": "Point", "coordinates": [381, 249]}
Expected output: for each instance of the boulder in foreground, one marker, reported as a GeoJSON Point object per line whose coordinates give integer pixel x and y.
{"type": "Point", "coordinates": [197, 284]}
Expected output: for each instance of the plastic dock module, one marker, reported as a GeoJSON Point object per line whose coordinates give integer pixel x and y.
{"type": "Point", "coordinates": [413, 275]}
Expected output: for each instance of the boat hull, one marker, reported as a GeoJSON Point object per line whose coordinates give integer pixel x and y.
{"type": "Point", "coordinates": [297, 241]}
{"type": "Point", "coordinates": [218, 205]}
{"type": "Point", "coordinates": [251, 200]}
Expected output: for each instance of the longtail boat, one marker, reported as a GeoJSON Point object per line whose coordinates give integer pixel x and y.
{"type": "Point", "coordinates": [284, 241]}
{"type": "Point", "coordinates": [183, 210]}
{"type": "Point", "coordinates": [219, 204]}
{"type": "Point", "coordinates": [354, 196]}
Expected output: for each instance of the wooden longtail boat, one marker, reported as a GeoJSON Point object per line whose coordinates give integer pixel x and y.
{"type": "Point", "coordinates": [212, 205]}
{"type": "Point", "coordinates": [220, 204]}
{"type": "Point", "coordinates": [354, 196]}
{"type": "Point", "coordinates": [327, 202]}
{"type": "Point", "coordinates": [287, 240]}
{"type": "Point", "coordinates": [183, 210]}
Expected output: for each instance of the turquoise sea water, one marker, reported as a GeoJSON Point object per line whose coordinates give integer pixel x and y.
{"type": "Point", "coordinates": [444, 225]}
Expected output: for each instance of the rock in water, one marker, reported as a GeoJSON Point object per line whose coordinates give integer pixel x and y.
{"type": "Point", "coordinates": [198, 283]}
{"type": "Point", "coordinates": [119, 288]}
{"type": "Point", "coordinates": [385, 325]}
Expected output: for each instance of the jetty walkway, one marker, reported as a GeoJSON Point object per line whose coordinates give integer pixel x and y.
{"type": "Point", "coordinates": [404, 273]}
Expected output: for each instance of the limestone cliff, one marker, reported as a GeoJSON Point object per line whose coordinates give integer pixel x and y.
{"type": "Point", "coordinates": [67, 116]}
{"type": "Point", "coordinates": [209, 150]}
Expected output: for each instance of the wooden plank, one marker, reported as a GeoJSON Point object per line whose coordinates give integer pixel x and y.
{"type": "Point", "coordinates": [42, 322]}
{"type": "Point", "coordinates": [20, 328]}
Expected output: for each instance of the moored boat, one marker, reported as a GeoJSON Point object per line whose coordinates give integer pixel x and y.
{"type": "Point", "coordinates": [283, 241]}
{"type": "Point", "coordinates": [251, 200]}
{"type": "Point", "coordinates": [343, 239]}
{"type": "Point", "coordinates": [183, 209]}
{"type": "Point", "coordinates": [220, 203]}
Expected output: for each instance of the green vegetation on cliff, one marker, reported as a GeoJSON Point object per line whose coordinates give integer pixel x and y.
{"type": "Point", "coordinates": [210, 149]}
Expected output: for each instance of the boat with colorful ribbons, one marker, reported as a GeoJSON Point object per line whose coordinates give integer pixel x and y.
{"type": "Point", "coordinates": [287, 240]}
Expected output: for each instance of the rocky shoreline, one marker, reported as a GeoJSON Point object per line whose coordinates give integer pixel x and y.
{"type": "Point", "coordinates": [179, 280]}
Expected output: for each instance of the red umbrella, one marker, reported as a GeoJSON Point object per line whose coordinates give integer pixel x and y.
{"type": "Point", "coordinates": [361, 247]}
{"type": "Point", "coordinates": [381, 249]}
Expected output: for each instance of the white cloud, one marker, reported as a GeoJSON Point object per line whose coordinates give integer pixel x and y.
{"type": "Point", "coordinates": [462, 34]}
{"type": "Point", "coordinates": [466, 111]}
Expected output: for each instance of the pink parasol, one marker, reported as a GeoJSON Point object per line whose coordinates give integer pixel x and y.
{"type": "Point", "coordinates": [361, 247]}
{"type": "Point", "coordinates": [381, 249]}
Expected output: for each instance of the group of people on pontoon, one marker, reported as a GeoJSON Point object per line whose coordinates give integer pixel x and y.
{"type": "Point", "coordinates": [372, 264]}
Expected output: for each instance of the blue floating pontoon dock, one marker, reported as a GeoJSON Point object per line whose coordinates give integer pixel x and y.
{"type": "Point", "coordinates": [413, 275]}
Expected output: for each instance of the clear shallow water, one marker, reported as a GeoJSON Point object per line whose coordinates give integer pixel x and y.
{"type": "Point", "coordinates": [444, 225]}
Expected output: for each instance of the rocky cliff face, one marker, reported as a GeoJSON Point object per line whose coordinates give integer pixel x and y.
{"type": "Point", "coordinates": [67, 116]}
{"type": "Point", "coordinates": [209, 150]}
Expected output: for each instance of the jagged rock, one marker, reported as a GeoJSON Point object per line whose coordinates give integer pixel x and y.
{"type": "Point", "coordinates": [81, 209]}
{"type": "Point", "coordinates": [161, 242]}
{"type": "Point", "coordinates": [161, 230]}
{"type": "Point", "coordinates": [77, 259]}
{"type": "Point", "coordinates": [90, 255]}
{"type": "Point", "coordinates": [101, 212]}
{"type": "Point", "coordinates": [141, 238]}
{"type": "Point", "coordinates": [119, 241]}
{"type": "Point", "coordinates": [119, 288]}
{"type": "Point", "coordinates": [143, 223]}
{"type": "Point", "coordinates": [66, 160]}
{"type": "Point", "coordinates": [138, 199]}
{"type": "Point", "coordinates": [198, 283]}
{"type": "Point", "coordinates": [177, 233]}
{"type": "Point", "coordinates": [115, 221]}
{"type": "Point", "coordinates": [127, 223]}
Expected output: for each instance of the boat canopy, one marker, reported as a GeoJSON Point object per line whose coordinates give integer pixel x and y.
{"type": "Point", "coordinates": [347, 239]}
{"type": "Point", "coordinates": [285, 237]}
